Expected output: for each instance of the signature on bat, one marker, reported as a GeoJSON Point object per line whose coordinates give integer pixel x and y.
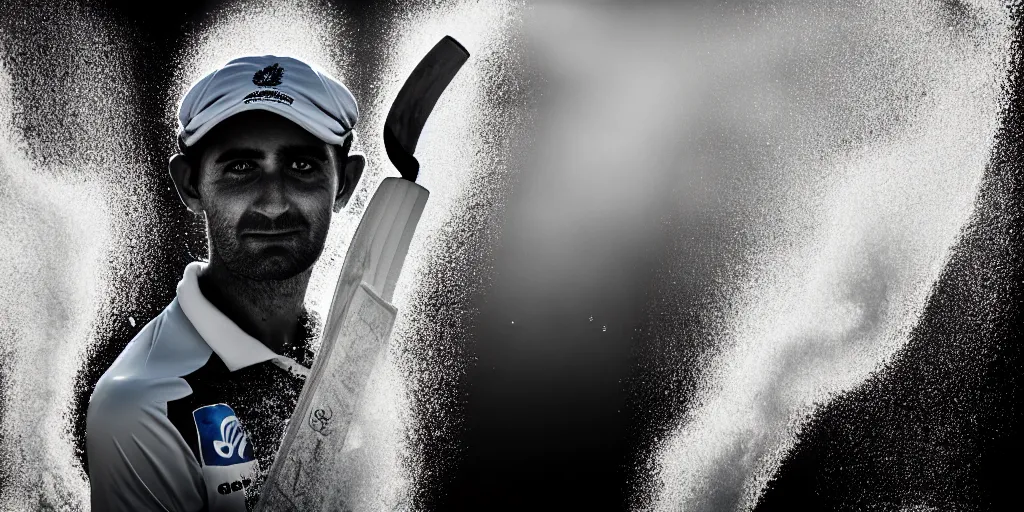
{"type": "Point", "coordinates": [319, 419]}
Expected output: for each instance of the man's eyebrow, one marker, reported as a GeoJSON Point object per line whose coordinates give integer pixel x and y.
{"type": "Point", "coordinates": [239, 154]}
{"type": "Point", "coordinates": [318, 152]}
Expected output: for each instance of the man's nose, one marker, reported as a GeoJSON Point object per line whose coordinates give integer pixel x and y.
{"type": "Point", "coordinates": [273, 197]}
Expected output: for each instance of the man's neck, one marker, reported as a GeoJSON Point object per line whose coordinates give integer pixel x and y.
{"type": "Point", "coordinates": [266, 310]}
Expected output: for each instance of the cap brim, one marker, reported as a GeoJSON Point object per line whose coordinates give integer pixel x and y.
{"type": "Point", "coordinates": [284, 111]}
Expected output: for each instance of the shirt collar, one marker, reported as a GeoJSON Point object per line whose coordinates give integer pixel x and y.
{"type": "Point", "coordinates": [234, 347]}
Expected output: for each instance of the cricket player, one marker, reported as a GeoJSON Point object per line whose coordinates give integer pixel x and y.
{"type": "Point", "coordinates": [191, 413]}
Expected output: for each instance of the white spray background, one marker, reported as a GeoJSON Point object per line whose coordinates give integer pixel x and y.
{"type": "Point", "coordinates": [60, 210]}
{"type": "Point", "coordinates": [845, 262]}
{"type": "Point", "coordinates": [68, 260]}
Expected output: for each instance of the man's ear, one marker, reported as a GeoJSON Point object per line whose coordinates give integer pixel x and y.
{"type": "Point", "coordinates": [181, 174]}
{"type": "Point", "coordinates": [350, 174]}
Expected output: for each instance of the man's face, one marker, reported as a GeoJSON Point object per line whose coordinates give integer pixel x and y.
{"type": "Point", "coordinates": [267, 187]}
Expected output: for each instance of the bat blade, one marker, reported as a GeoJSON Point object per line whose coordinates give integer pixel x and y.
{"type": "Point", "coordinates": [311, 462]}
{"type": "Point", "coordinates": [306, 471]}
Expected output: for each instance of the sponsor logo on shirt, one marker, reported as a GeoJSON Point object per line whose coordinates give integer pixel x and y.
{"type": "Point", "coordinates": [237, 485]}
{"type": "Point", "coordinates": [222, 442]}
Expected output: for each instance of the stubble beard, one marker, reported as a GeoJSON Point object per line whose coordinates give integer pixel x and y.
{"type": "Point", "coordinates": [272, 263]}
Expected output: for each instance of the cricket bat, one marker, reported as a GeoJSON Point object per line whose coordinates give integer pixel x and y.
{"type": "Point", "coordinates": [304, 474]}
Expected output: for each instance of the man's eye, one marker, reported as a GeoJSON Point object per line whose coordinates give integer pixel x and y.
{"type": "Point", "coordinates": [303, 166]}
{"type": "Point", "coordinates": [240, 167]}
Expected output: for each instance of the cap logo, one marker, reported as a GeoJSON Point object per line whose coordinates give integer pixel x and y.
{"type": "Point", "coordinates": [268, 76]}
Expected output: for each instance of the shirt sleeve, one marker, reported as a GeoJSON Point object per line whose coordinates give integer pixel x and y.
{"type": "Point", "coordinates": [137, 460]}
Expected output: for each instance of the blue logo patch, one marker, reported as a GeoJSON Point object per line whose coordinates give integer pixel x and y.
{"type": "Point", "coordinates": [222, 441]}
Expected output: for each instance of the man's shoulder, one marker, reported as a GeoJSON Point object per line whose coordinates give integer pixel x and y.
{"type": "Point", "coordinates": [149, 368]}
{"type": "Point", "coordinates": [136, 458]}
{"type": "Point", "coordinates": [167, 346]}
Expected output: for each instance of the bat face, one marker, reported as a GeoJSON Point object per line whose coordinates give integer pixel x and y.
{"type": "Point", "coordinates": [361, 316]}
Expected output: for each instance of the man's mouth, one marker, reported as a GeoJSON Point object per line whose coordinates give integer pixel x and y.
{"type": "Point", "coordinates": [284, 233]}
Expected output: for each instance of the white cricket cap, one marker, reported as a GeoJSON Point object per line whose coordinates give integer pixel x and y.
{"type": "Point", "coordinates": [282, 85]}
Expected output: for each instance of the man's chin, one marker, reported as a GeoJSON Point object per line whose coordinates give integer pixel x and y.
{"type": "Point", "coordinates": [271, 268]}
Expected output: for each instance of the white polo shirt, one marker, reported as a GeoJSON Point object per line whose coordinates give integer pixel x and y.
{"type": "Point", "coordinates": [190, 415]}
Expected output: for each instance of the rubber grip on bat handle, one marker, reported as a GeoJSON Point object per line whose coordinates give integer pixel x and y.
{"type": "Point", "coordinates": [404, 161]}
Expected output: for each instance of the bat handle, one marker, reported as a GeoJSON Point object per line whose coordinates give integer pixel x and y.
{"type": "Point", "coordinates": [404, 161]}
